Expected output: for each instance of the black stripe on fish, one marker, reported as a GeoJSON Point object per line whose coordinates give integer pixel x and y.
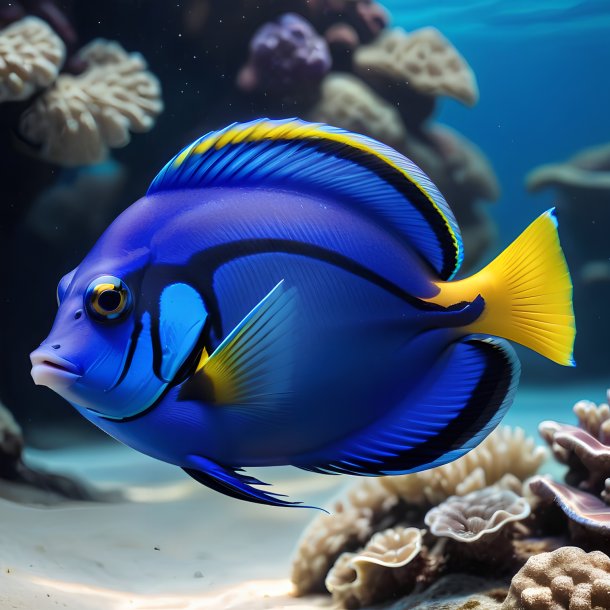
{"type": "Point", "coordinates": [210, 260]}
{"type": "Point", "coordinates": [131, 350]}
{"type": "Point", "coordinates": [398, 181]}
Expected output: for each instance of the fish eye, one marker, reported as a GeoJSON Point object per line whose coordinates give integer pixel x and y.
{"type": "Point", "coordinates": [107, 298]}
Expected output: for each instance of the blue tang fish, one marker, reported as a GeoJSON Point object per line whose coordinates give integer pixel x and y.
{"type": "Point", "coordinates": [283, 295]}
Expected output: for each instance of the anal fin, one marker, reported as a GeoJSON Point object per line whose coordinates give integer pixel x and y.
{"type": "Point", "coordinates": [457, 405]}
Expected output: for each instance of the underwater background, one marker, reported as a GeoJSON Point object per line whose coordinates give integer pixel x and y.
{"type": "Point", "coordinates": [515, 121]}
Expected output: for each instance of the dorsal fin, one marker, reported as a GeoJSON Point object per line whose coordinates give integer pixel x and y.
{"type": "Point", "coordinates": [316, 158]}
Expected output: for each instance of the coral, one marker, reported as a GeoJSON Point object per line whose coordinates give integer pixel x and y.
{"type": "Point", "coordinates": [373, 505]}
{"type": "Point", "coordinates": [589, 169]}
{"type": "Point", "coordinates": [585, 451]}
{"type": "Point", "coordinates": [352, 523]}
{"type": "Point", "coordinates": [31, 55]}
{"type": "Point", "coordinates": [385, 566]}
{"type": "Point", "coordinates": [566, 579]}
{"type": "Point", "coordinates": [584, 448]}
{"type": "Point", "coordinates": [506, 450]}
{"type": "Point", "coordinates": [581, 508]}
{"type": "Point", "coordinates": [424, 59]}
{"type": "Point", "coordinates": [366, 17]}
{"type": "Point", "coordinates": [477, 515]}
{"type": "Point", "coordinates": [347, 102]}
{"type": "Point", "coordinates": [285, 54]}
{"type": "Point", "coordinates": [79, 118]}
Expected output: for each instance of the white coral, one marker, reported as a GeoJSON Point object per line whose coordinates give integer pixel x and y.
{"type": "Point", "coordinates": [31, 55]}
{"type": "Point", "coordinates": [423, 59]}
{"type": "Point", "coordinates": [77, 120]}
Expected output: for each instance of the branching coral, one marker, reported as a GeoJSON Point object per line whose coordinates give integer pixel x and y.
{"type": "Point", "coordinates": [391, 560]}
{"type": "Point", "coordinates": [506, 450]}
{"type": "Point", "coordinates": [31, 55]}
{"type": "Point", "coordinates": [375, 504]}
{"type": "Point", "coordinates": [79, 118]}
{"type": "Point", "coordinates": [353, 521]}
{"type": "Point", "coordinates": [566, 579]}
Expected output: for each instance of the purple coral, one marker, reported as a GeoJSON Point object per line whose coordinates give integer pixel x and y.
{"type": "Point", "coordinates": [285, 54]}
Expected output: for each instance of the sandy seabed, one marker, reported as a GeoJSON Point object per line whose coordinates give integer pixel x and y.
{"type": "Point", "coordinates": [172, 545]}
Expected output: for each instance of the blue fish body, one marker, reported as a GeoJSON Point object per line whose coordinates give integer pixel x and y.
{"type": "Point", "coordinates": [281, 296]}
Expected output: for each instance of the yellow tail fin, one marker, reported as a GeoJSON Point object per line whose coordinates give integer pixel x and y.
{"type": "Point", "coordinates": [527, 291]}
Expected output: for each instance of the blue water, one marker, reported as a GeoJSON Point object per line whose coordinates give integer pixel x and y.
{"type": "Point", "coordinates": [542, 69]}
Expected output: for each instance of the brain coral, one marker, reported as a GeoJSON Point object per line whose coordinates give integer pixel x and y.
{"type": "Point", "coordinates": [30, 57]}
{"type": "Point", "coordinates": [566, 579]}
{"type": "Point", "coordinates": [79, 118]}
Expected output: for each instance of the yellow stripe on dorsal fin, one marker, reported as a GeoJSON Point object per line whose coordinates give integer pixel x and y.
{"type": "Point", "coordinates": [318, 159]}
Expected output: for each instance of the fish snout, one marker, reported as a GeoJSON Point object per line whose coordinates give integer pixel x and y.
{"type": "Point", "coordinates": [50, 369]}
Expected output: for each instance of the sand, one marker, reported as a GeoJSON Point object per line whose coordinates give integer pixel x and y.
{"type": "Point", "coordinates": [173, 545]}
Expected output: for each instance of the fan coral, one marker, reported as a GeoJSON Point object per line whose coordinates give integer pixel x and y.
{"type": "Point", "coordinates": [347, 102]}
{"type": "Point", "coordinates": [355, 519]}
{"type": "Point", "coordinates": [79, 118]}
{"type": "Point", "coordinates": [566, 579]}
{"type": "Point", "coordinates": [505, 451]}
{"type": "Point", "coordinates": [384, 567]}
{"type": "Point", "coordinates": [285, 54]}
{"type": "Point", "coordinates": [480, 514]}
{"type": "Point", "coordinates": [424, 59]}
{"type": "Point", "coordinates": [31, 55]}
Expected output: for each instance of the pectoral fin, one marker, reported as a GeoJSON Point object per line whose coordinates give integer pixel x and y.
{"type": "Point", "coordinates": [254, 365]}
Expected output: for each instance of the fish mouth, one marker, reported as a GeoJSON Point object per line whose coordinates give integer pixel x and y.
{"type": "Point", "coordinates": [52, 370]}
